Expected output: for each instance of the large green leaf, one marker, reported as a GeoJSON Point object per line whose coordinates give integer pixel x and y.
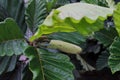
{"type": "Point", "coordinates": [49, 66]}
{"type": "Point", "coordinates": [82, 17]}
{"type": "Point", "coordinates": [11, 38]}
{"type": "Point", "coordinates": [16, 10]}
{"type": "Point", "coordinates": [114, 59]}
{"type": "Point", "coordinates": [7, 63]}
{"type": "Point", "coordinates": [106, 36]}
{"type": "Point", "coordinates": [116, 16]}
{"type": "Point", "coordinates": [35, 14]}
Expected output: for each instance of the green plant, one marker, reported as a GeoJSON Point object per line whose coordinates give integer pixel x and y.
{"type": "Point", "coordinates": [43, 63]}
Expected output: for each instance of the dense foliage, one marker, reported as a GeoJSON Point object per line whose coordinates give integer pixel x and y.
{"type": "Point", "coordinates": [50, 39]}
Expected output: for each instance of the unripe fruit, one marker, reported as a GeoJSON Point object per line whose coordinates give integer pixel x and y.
{"type": "Point", "coordinates": [70, 49]}
{"type": "Point", "coordinates": [64, 47]}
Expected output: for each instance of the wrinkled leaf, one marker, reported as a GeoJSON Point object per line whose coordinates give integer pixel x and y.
{"type": "Point", "coordinates": [35, 14]}
{"type": "Point", "coordinates": [11, 38]}
{"type": "Point", "coordinates": [82, 17]}
{"type": "Point", "coordinates": [114, 59]}
{"type": "Point", "coordinates": [49, 66]}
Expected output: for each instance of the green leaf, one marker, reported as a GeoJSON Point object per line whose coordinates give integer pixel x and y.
{"type": "Point", "coordinates": [82, 17]}
{"type": "Point", "coordinates": [15, 9]}
{"type": "Point", "coordinates": [11, 38]}
{"type": "Point", "coordinates": [114, 59]}
{"type": "Point", "coordinates": [27, 74]}
{"type": "Point", "coordinates": [49, 66]}
{"type": "Point", "coordinates": [97, 2]}
{"type": "Point", "coordinates": [116, 17]}
{"type": "Point", "coordinates": [35, 14]}
{"type": "Point", "coordinates": [7, 63]}
{"type": "Point", "coordinates": [102, 61]}
{"type": "Point", "coordinates": [53, 4]}
{"type": "Point", "coordinates": [106, 36]}
{"type": "Point", "coordinates": [72, 37]}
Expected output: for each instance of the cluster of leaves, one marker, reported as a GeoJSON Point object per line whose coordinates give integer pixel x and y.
{"type": "Point", "coordinates": [43, 64]}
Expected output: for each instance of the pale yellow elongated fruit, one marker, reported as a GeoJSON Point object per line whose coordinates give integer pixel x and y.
{"type": "Point", "coordinates": [70, 49]}
{"type": "Point", "coordinates": [64, 47]}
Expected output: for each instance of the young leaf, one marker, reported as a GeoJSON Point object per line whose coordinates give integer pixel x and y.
{"type": "Point", "coordinates": [114, 59]}
{"type": "Point", "coordinates": [11, 38]}
{"type": "Point", "coordinates": [116, 16]}
{"type": "Point", "coordinates": [106, 37]}
{"type": "Point", "coordinates": [49, 66]}
{"type": "Point", "coordinates": [82, 17]}
{"type": "Point", "coordinates": [35, 14]}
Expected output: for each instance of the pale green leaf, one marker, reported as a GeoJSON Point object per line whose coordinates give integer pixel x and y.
{"type": "Point", "coordinates": [49, 66]}
{"type": "Point", "coordinates": [111, 3]}
{"type": "Point", "coordinates": [82, 17]}
{"type": "Point", "coordinates": [116, 17]}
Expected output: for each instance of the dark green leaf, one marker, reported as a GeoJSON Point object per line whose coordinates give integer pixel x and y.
{"type": "Point", "coordinates": [72, 37]}
{"type": "Point", "coordinates": [114, 59]}
{"type": "Point", "coordinates": [16, 10]}
{"type": "Point", "coordinates": [3, 13]}
{"type": "Point", "coordinates": [106, 37]}
{"type": "Point", "coordinates": [97, 2]}
{"type": "Point", "coordinates": [53, 4]}
{"type": "Point", "coordinates": [35, 14]}
{"type": "Point", "coordinates": [27, 74]}
{"type": "Point", "coordinates": [102, 61]}
{"type": "Point", "coordinates": [7, 63]}
{"type": "Point", "coordinates": [11, 38]}
{"type": "Point", "coordinates": [49, 66]}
